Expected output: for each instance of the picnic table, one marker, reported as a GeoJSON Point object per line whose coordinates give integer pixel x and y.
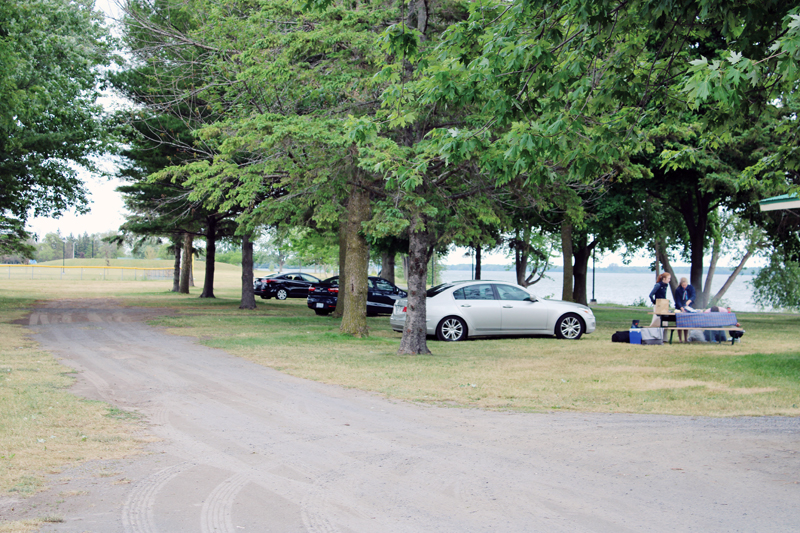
{"type": "Point", "coordinates": [665, 319]}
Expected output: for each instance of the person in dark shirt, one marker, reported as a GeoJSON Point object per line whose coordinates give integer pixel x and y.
{"type": "Point", "coordinates": [660, 289]}
{"type": "Point", "coordinates": [684, 297]}
{"type": "Point", "coordinates": [659, 292]}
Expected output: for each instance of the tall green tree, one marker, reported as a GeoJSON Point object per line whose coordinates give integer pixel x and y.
{"type": "Point", "coordinates": [280, 80]}
{"type": "Point", "coordinates": [50, 124]}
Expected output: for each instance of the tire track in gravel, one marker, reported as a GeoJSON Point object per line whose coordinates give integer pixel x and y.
{"type": "Point", "coordinates": [137, 513]}
{"type": "Point", "coordinates": [216, 515]}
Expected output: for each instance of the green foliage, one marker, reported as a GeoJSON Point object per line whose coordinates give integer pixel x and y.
{"type": "Point", "coordinates": [265, 106]}
{"type": "Point", "coordinates": [54, 246]}
{"type": "Point", "coordinates": [232, 257]}
{"type": "Point", "coordinates": [50, 51]}
{"type": "Point", "coordinates": [313, 247]}
{"type": "Point", "coordinates": [778, 284]}
{"type": "Point", "coordinates": [632, 120]}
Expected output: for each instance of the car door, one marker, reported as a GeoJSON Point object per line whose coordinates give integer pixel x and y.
{"type": "Point", "coordinates": [478, 305]}
{"type": "Point", "coordinates": [383, 295]}
{"type": "Point", "coordinates": [288, 282]}
{"type": "Point", "coordinates": [521, 312]}
{"type": "Point", "coordinates": [278, 282]}
{"type": "Point", "coordinates": [303, 282]}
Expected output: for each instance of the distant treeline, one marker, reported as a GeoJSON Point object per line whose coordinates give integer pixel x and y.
{"type": "Point", "coordinates": [611, 269]}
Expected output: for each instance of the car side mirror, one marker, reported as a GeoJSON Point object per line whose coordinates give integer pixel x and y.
{"type": "Point", "coordinates": [530, 299]}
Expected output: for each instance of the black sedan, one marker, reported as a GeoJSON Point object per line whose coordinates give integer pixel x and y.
{"type": "Point", "coordinates": [282, 286]}
{"type": "Point", "coordinates": [381, 296]}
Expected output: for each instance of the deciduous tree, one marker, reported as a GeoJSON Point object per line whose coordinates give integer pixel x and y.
{"type": "Point", "coordinates": [50, 124]}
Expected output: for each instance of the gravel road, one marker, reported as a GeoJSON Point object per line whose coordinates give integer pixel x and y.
{"type": "Point", "coordinates": [247, 448]}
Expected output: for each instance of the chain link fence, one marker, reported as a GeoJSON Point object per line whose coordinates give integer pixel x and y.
{"type": "Point", "coordinates": [96, 273]}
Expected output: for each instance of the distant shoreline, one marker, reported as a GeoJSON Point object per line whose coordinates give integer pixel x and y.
{"type": "Point", "coordinates": [612, 269]}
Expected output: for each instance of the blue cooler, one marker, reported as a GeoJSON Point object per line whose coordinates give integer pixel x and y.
{"type": "Point", "coordinates": [636, 336]}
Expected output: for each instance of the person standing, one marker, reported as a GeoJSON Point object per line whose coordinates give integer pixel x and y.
{"type": "Point", "coordinates": [660, 288]}
{"type": "Point", "coordinates": [659, 292]}
{"type": "Point", "coordinates": [684, 295]}
{"type": "Point", "coordinates": [684, 298]}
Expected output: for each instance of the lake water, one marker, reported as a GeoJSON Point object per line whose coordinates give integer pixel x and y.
{"type": "Point", "coordinates": [616, 288]}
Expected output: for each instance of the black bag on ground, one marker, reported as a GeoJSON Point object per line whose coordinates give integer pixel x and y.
{"type": "Point", "coordinates": [621, 336]}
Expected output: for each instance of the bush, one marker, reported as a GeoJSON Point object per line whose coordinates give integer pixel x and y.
{"type": "Point", "coordinates": [777, 285]}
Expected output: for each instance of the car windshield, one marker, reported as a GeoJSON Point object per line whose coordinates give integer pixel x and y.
{"type": "Point", "coordinates": [433, 291]}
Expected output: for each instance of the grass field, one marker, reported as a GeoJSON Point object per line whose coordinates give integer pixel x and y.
{"type": "Point", "coordinates": [43, 426]}
{"type": "Point", "coordinates": [760, 376]}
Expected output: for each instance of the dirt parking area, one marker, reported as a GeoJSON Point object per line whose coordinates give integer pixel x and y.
{"type": "Point", "coordinates": [246, 448]}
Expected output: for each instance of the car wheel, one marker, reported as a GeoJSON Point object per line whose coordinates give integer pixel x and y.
{"type": "Point", "coordinates": [570, 327]}
{"type": "Point", "coordinates": [451, 329]}
{"type": "Point", "coordinates": [322, 312]}
{"type": "Point", "coordinates": [281, 294]}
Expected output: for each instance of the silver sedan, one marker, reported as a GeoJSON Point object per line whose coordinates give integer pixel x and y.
{"type": "Point", "coordinates": [462, 309]}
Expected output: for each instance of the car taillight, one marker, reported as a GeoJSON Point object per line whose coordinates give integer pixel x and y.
{"type": "Point", "coordinates": [311, 289]}
{"type": "Point", "coordinates": [334, 289]}
{"type": "Point", "coordinates": [405, 309]}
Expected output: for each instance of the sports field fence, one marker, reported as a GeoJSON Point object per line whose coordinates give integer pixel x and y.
{"type": "Point", "coordinates": [89, 273]}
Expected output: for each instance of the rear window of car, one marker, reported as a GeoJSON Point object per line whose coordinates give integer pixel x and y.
{"type": "Point", "coordinates": [383, 285]}
{"type": "Point", "coordinates": [433, 291]}
{"type": "Point", "coordinates": [475, 292]}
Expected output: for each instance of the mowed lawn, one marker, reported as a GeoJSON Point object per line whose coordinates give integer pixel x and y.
{"type": "Point", "coordinates": [759, 376]}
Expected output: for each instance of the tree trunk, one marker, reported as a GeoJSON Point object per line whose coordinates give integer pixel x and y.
{"type": "Point", "coordinates": [211, 253]}
{"type": "Point", "coordinates": [712, 267]}
{"type": "Point", "coordinates": [406, 261]}
{"type": "Point", "coordinates": [176, 271]}
{"type": "Point", "coordinates": [191, 266]}
{"type": "Point", "coordinates": [477, 262]}
{"type": "Point", "coordinates": [582, 253]}
{"type": "Point", "coordinates": [566, 254]}
{"type": "Point", "coordinates": [697, 248]}
{"type": "Point", "coordinates": [186, 266]}
{"type": "Point", "coordinates": [248, 296]}
{"type": "Point", "coordinates": [415, 332]}
{"type": "Point", "coordinates": [356, 270]}
{"type": "Point", "coordinates": [521, 256]}
{"type": "Point", "coordinates": [733, 275]}
{"type": "Point", "coordinates": [339, 311]}
{"type": "Point", "coordinates": [663, 258]}
{"type": "Point", "coordinates": [387, 267]}
{"type": "Point", "coordinates": [695, 212]}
